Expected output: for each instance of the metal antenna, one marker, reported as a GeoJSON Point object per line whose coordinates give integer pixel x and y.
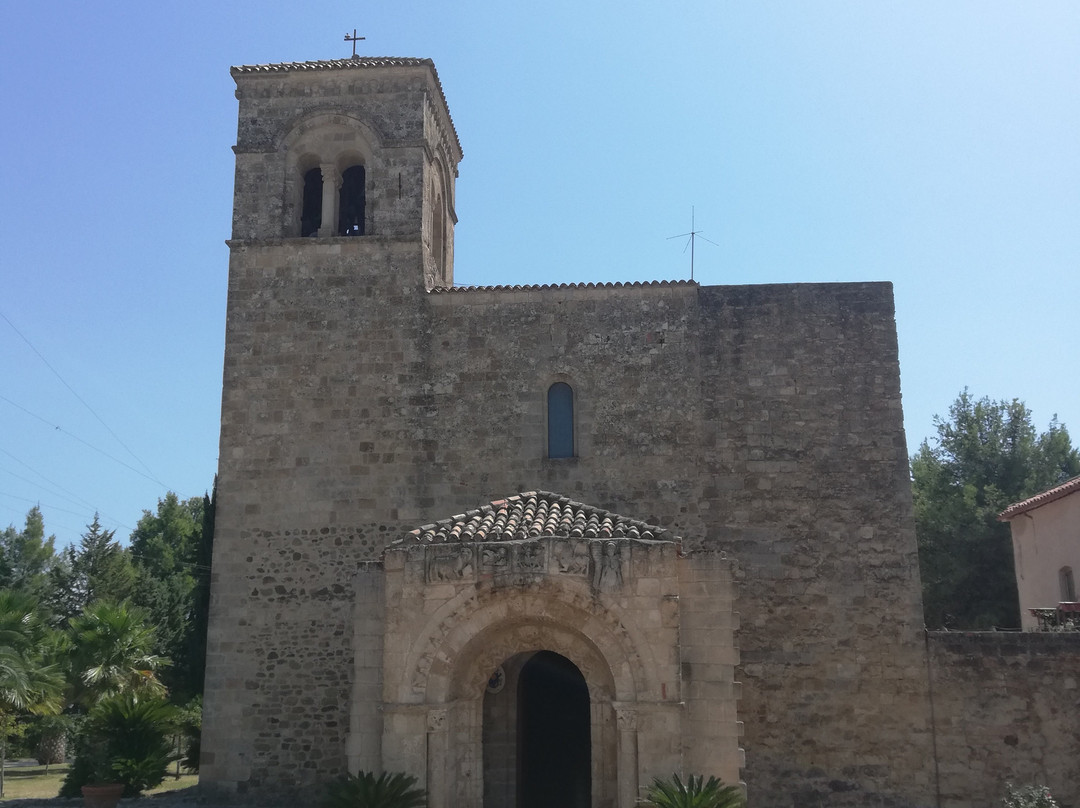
{"type": "Point", "coordinates": [694, 234]}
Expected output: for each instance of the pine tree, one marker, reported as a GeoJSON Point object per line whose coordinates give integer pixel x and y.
{"type": "Point", "coordinates": [987, 455]}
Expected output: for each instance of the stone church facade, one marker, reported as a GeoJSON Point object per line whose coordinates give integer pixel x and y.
{"type": "Point", "coordinates": [486, 534]}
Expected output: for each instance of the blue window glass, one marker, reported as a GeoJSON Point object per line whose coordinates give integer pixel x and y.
{"type": "Point", "coordinates": [560, 409]}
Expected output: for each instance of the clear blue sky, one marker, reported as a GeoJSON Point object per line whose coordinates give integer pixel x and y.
{"type": "Point", "coordinates": [936, 145]}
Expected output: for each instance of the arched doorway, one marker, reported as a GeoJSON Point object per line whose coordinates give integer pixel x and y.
{"type": "Point", "coordinates": [537, 734]}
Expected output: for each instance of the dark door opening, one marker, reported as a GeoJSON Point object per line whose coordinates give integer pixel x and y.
{"type": "Point", "coordinates": [554, 742]}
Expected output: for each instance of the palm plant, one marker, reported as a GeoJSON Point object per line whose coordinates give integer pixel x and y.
{"type": "Point", "coordinates": [695, 793]}
{"type": "Point", "coordinates": [28, 683]}
{"type": "Point", "coordinates": [365, 790]}
{"type": "Point", "coordinates": [112, 653]}
{"type": "Point", "coordinates": [127, 740]}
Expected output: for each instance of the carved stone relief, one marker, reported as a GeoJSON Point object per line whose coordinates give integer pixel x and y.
{"type": "Point", "coordinates": [450, 563]}
{"type": "Point", "coordinates": [607, 567]}
{"type": "Point", "coordinates": [571, 557]}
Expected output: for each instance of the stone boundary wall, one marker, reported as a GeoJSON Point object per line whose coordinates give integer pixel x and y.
{"type": "Point", "coordinates": [1005, 707]}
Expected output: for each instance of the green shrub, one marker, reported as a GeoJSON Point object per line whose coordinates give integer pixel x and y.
{"type": "Point", "coordinates": [1028, 797]}
{"type": "Point", "coordinates": [127, 740]}
{"type": "Point", "coordinates": [189, 723]}
{"type": "Point", "coordinates": [364, 790]}
{"type": "Point", "coordinates": [695, 793]}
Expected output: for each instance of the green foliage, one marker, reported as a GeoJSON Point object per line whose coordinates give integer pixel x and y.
{"type": "Point", "coordinates": [127, 740]}
{"type": "Point", "coordinates": [112, 653]}
{"type": "Point", "coordinates": [195, 658]}
{"type": "Point", "coordinates": [98, 569]}
{"type": "Point", "coordinates": [695, 793]}
{"type": "Point", "coordinates": [167, 549]}
{"type": "Point", "coordinates": [987, 455]}
{"type": "Point", "coordinates": [28, 679]}
{"type": "Point", "coordinates": [189, 722]}
{"type": "Point", "coordinates": [364, 790]}
{"type": "Point", "coordinates": [1028, 797]}
{"type": "Point", "coordinates": [26, 556]}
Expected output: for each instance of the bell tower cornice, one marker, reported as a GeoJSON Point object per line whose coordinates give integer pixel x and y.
{"type": "Point", "coordinates": [347, 148]}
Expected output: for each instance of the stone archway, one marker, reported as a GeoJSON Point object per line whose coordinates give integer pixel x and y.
{"type": "Point", "coordinates": [483, 766]}
{"type": "Point", "coordinates": [461, 616]}
{"type": "Point", "coordinates": [537, 734]}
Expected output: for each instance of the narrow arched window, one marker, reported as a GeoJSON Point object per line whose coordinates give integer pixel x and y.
{"type": "Point", "coordinates": [352, 199]}
{"type": "Point", "coordinates": [1068, 585]}
{"type": "Point", "coordinates": [438, 234]}
{"type": "Point", "coordinates": [560, 420]}
{"type": "Point", "coordinates": [311, 208]}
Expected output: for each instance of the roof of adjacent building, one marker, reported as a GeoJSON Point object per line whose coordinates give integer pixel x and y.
{"type": "Point", "coordinates": [536, 287]}
{"type": "Point", "coordinates": [535, 514]}
{"type": "Point", "coordinates": [1044, 498]}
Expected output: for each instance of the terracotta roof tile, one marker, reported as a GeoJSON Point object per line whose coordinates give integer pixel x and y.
{"type": "Point", "coordinates": [531, 287]}
{"type": "Point", "coordinates": [535, 514]}
{"type": "Point", "coordinates": [1043, 498]}
{"type": "Point", "coordinates": [333, 64]}
{"type": "Point", "coordinates": [358, 63]}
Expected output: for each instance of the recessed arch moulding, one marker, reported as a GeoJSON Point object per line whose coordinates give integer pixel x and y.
{"type": "Point", "coordinates": [332, 143]}
{"type": "Point", "coordinates": [650, 630]}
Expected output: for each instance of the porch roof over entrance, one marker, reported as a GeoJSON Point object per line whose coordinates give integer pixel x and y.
{"type": "Point", "coordinates": [536, 514]}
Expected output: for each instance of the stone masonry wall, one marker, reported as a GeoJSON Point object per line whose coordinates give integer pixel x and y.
{"type": "Point", "coordinates": [1006, 708]}
{"type": "Point", "coordinates": [707, 624]}
{"type": "Point", "coordinates": [804, 475]}
{"type": "Point", "coordinates": [763, 421]}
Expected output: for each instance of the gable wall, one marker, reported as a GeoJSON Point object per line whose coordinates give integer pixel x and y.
{"type": "Point", "coordinates": [764, 421]}
{"type": "Point", "coordinates": [1044, 540]}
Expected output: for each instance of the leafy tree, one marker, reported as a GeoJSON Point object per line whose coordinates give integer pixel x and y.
{"type": "Point", "coordinates": [165, 541]}
{"type": "Point", "coordinates": [28, 680]}
{"type": "Point", "coordinates": [987, 455]}
{"type": "Point", "coordinates": [166, 548]}
{"type": "Point", "coordinates": [26, 556]}
{"type": "Point", "coordinates": [195, 659]}
{"type": "Point", "coordinates": [98, 569]}
{"type": "Point", "coordinates": [112, 653]}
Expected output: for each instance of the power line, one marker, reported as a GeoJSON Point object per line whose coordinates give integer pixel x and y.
{"type": "Point", "coordinates": [85, 505]}
{"type": "Point", "coordinates": [71, 495]}
{"type": "Point", "coordinates": [73, 436]}
{"type": "Point", "coordinates": [77, 396]}
{"type": "Point", "coordinates": [52, 507]}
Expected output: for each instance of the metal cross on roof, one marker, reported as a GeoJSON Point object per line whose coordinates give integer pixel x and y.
{"type": "Point", "coordinates": [354, 39]}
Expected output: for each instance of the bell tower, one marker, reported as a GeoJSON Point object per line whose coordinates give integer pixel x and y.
{"type": "Point", "coordinates": [360, 148]}
{"type": "Point", "coordinates": [343, 221]}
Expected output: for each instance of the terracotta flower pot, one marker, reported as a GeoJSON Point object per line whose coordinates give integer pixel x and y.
{"type": "Point", "coordinates": [105, 795]}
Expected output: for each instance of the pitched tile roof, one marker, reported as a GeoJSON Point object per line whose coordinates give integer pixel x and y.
{"type": "Point", "coordinates": [333, 64]}
{"type": "Point", "coordinates": [535, 514]}
{"type": "Point", "coordinates": [356, 63]}
{"type": "Point", "coordinates": [1043, 498]}
{"type": "Point", "coordinates": [533, 287]}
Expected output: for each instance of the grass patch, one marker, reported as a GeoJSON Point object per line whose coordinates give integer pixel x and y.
{"type": "Point", "coordinates": [31, 782]}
